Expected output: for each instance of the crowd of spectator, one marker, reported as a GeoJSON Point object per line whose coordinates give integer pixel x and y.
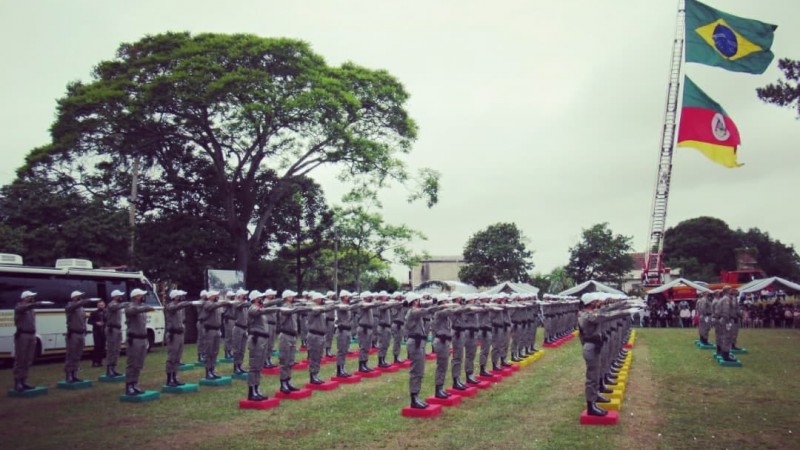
{"type": "Point", "coordinates": [774, 311]}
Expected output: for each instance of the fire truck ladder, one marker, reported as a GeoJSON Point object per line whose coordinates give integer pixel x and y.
{"type": "Point", "coordinates": [653, 274]}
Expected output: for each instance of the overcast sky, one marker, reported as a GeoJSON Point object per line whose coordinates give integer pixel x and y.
{"type": "Point", "coordinates": [543, 113]}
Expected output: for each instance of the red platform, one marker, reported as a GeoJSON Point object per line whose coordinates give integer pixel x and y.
{"type": "Point", "coordinates": [373, 351]}
{"type": "Point", "coordinates": [328, 359]}
{"type": "Point", "coordinates": [352, 354]}
{"type": "Point", "coordinates": [273, 371]}
{"type": "Point", "coordinates": [481, 384]}
{"type": "Point", "coordinates": [354, 378]}
{"type": "Point", "coordinates": [296, 395]}
{"type": "Point", "coordinates": [430, 411]}
{"type": "Point", "coordinates": [300, 365]}
{"type": "Point", "coordinates": [609, 419]}
{"type": "Point", "coordinates": [390, 369]}
{"type": "Point", "coordinates": [430, 357]}
{"type": "Point", "coordinates": [491, 379]}
{"type": "Point", "coordinates": [468, 392]}
{"type": "Point", "coordinates": [326, 386]}
{"type": "Point", "coordinates": [628, 345]}
{"type": "Point", "coordinates": [453, 400]}
{"type": "Point", "coordinates": [371, 374]}
{"type": "Point", "coordinates": [514, 367]}
{"type": "Point", "coordinates": [505, 372]}
{"type": "Point", "coordinates": [303, 348]}
{"type": "Point", "coordinates": [404, 364]}
{"type": "Point", "coordinates": [264, 404]}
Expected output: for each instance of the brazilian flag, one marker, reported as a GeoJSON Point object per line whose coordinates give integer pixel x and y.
{"type": "Point", "coordinates": [733, 43]}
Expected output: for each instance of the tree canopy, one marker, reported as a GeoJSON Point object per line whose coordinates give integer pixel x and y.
{"type": "Point", "coordinates": [496, 254]}
{"type": "Point", "coordinates": [784, 93]}
{"type": "Point", "coordinates": [223, 126]}
{"type": "Point", "coordinates": [600, 255]}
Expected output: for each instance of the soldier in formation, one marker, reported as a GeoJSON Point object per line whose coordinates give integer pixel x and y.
{"type": "Point", "coordinates": [76, 334]}
{"type": "Point", "coordinates": [25, 338]}
{"type": "Point", "coordinates": [174, 316]}
{"type": "Point", "coordinates": [136, 322]}
{"type": "Point", "coordinates": [114, 331]}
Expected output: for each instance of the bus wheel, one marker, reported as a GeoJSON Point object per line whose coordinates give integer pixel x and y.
{"type": "Point", "coordinates": [37, 355]}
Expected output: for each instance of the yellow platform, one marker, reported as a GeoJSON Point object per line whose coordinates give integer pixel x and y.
{"type": "Point", "coordinates": [614, 405]}
{"type": "Point", "coordinates": [618, 393]}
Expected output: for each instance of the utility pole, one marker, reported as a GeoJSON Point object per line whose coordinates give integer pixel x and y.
{"type": "Point", "coordinates": [336, 261]}
{"type": "Point", "coordinates": [132, 209]}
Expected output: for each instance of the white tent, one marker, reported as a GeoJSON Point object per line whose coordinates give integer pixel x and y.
{"type": "Point", "coordinates": [757, 285]}
{"type": "Point", "coordinates": [507, 286]}
{"type": "Point", "coordinates": [679, 282]}
{"type": "Point", "coordinates": [446, 286]}
{"type": "Point", "coordinates": [590, 286]}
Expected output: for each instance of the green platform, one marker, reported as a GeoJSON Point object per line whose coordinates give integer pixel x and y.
{"type": "Point", "coordinates": [225, 361]}
{"type": "Point", "coordinates": [239, 376]}
{"type": "Point", "coordinates": [148, 396]}
{"type": "Point", "coordinates": [223, 381]}
{"type": "Point", "coordinates": [185, 389]}
{"type": "Point", "coordinates": [724, 363]}
{"type": "Point", "coordinates": [29, 393]}
{"type": "Point", "coordinates": [702, 346]}
{"type": "Point", "coordinates": [108, 379]}
{"type": "Point", "coordinates": [74, 386]}
{"type": "Point", "coordinates": [185, 367]}
{"type": "Point", "coordinates": [741, 351]}
{"type": "Point", "coordinates": [200, 364]}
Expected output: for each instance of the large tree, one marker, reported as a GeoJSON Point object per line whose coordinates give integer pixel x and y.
{"type": "Point", "coordinates": [496, 254]}
{"type": "Point", "coordinates": [600, 255]}
{"type": "Point", "coordinates": [773, 256]}
{"type": "Point", "coordinates": [784, 93]}
{"type": "Point", "coordinates": [701, 247]}
{"type": "Point", "coordinates": [225, 125]}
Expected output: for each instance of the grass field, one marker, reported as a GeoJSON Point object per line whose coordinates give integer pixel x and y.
{"type": "Point", "coordinates": [677, 397]}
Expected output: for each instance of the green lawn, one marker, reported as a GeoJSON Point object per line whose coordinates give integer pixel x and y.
{"type": "Point", "coordinates": [677, 397]}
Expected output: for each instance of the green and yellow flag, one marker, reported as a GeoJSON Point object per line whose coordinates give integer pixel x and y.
{"type": "Point", "coordinates": [733, 43]}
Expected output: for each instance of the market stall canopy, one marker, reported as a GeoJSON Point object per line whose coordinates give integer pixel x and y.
{"type": "Point", "coordinates": [679, 282]}
{"type": "Point", "coordinates": [590, 286]}
{"type": "Point", "coordinates": [756, 286]}
{"type": "Point", "coordinates": [509, 287]}
{"type": "Point", "coordinates": [446, 287]}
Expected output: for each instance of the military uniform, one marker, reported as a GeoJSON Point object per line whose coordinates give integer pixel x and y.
{"type": "Point", "coordinates": [384, 331]}
{"type": "Point", "coordinates": [415, 345]}
{"type": "Point", "coordinates": [287, 343]}
{"type": "Point", "coordinates": [201, 329]}
{"type": "Point", "coordinates": [212, 325]}
{"type": "Point", "coordinates": [258, 331]}
{"type": "Point", "coordinates": [228, 321]}
{"type": "Point", "coordinates": [343, 329]}
{"type": "Point", "coordinates": [442, 331]}
{"type": "Point", "coordinates": [484, 337]}
{"type": "Point", "coordinates": [239, 335]}
{"type": "Point", "coordinates": [24, 341]}
{"type": "Point", "coordinates": [315, 324]}
{"type": "Point", "coordinates": [174, 316]}
{"type": "Point", "coordinates": [470, 336]}
{"type": "Point", "coordinates": [704, 317]}
{"type": "Point", "coordinates": [76, 331]}
{"type": "Point", "coordinates": [113, 334]}
{"type": "Point", "coordinates": [136, 322]}
{"type": "Point", "coordinates": [366, 323]}
{"type": "Point", "coordinates": [398, 315]}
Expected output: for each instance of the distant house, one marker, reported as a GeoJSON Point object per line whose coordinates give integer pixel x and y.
{"type": "Point", "coordinates": [436, 268]}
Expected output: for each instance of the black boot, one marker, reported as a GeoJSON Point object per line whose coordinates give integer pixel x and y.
{"type": "Point", "coordinates": [209, 374]}
{"type": "Point", "coordinates": [483, 371]}
{"type": "Point", "coordinates": [341, 372]}
{"type": "Point", "coordinates": [215, 374]}
{"type": "Point", "coordinates": [25, 385]}
{"type": "Point", "coordinates": [362, 367]}
{"type": "Point", "coordinates": [458, 385]}
{"type": "Point", "coordinates": [18, 385]}
{"type": "Point", "coordinates": [440, 392]}
{"type": "Point", "coordinates": [328, 353]}
{"type": "Point", "coordinates": [171, 380]}
{"type": "Point", "coordinates": [291, 387]}
{"type": "Point", "coordinates": [176, 380]}
{"type": "Point", "coordinates": [252, 395]}
{"type": "Point", "coordinates": [604, 389]}
{"type": "Point", "coordinates": [416, 403]}
{"type": "Point", "coordinates": [137, 388]}
{"type": "Point", "coordinates": [109, 373]}
{"type": "Point", "coordinates": [285, 387]}
{"type": "Point", "coordinates": [601, 399]}
{"type": "Point", "coordinates": [382, 363]}
{"type": "Point", "coordinates": [237, 369]}
{"type": "Point", "coordinates": [397, 359]}
{"type": "Point", "coordinates": [471, 378]}
{"type": "Point", "coordinates": [114, 372]}
{"type": "Point", "coordinates": [593, 410]}
{"type": "Point", "coordinates": [495, 367]}
{"type": "Point", "coordinates": [268, 363]}
{"type": "Point", "coordinates": [259, 395]}
{"type": "Point", "coordinates": [75, 378]}
{"type": "Point", "coordinates": [130, 390]}
{"type": "Point", "coordinates": [515, 357]}
{"type": "Point", "coordinates": [315, 379]}
{"type": "Point", "coordinates": [504, 363]}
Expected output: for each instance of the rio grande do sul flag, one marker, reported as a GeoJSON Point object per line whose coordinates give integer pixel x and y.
{"type": "Point", "coordinates": [716, 38]}
{"type": "Point", "coordinates": [705, 126]}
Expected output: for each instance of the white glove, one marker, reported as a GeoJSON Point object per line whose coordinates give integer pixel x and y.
{"type": "Point", "coordinates": [728, 326]}
{"type": "Point", "coordinates": [47, 302]}
{"type": "Point", "coordinates": [707, 319]}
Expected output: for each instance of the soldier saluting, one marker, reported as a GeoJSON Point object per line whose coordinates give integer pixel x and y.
{"type": "Point", "coordinates": [136, 320]}
{"type": "Point", "coordinates": [114, 331]}
{"type": "Point", "coordinates": [25, 338]}
{"type": "Point", "coordinates": [76, 332]}
{"type": "Point", "coordinates": [174, 316]}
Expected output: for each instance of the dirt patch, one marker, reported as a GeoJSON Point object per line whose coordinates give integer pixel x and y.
{"type": "Point", "coordinates": [640, 419]}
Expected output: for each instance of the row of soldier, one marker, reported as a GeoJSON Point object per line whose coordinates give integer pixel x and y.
{"type": "Point", "coordinates": [722, 311]}
{"type": "Point", "coordinates": [253, 320]}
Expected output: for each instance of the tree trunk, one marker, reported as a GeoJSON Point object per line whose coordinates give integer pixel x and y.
{"type": "Point", "coordinates": [242, 254]}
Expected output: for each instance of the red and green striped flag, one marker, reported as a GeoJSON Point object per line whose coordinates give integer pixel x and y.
{"type": "Point", "coordinates": [716, 38]}
{"type": "Point", "coordinates": [705, 126]}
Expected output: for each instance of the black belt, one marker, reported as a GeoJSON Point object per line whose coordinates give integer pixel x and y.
{"type": "Point", "coordinates": [458, 328]}
{"type": "Point", "coordinates": [344, 327]}
{"type": "Point", "coordinates": [175, 331]}
{"type": "Point", "coordinates": [398, 322]}
{"type": "Point", "coordinates": [385, 324]}
{"type": "Point", "coordinates": [317, 333]}
{"type": "Point", "coordinates": [289, 333]}
{"type": "Point", "coordinates": [210, 327]}
{"type": "Point", "coordinates": [442, 337]}
{"type": "Point", "coordinates": [136, 336]}
{"type": "Point", "coordinates": [116, 327]}
{"type": "Point", "coordinates": [244, 327]}
{"type": "Point", "coordinates": [24, 332]}
{"type": "Point", "coordinates": [259, 334]}
{"type": "Point", "coordinates": [228, 318]}
{"type": "Point", "coordinates": [366, 327]}
{"type": "Point", "coordinates": [329, 320]}
{"type": "Point", "coordinates": [486, 328]}
{"type": "Point", "coordinates": [272, 323]}
{"type": "Point", "coordinates": [418, 337]}
{"type": "Point", "coordinates": [69, 331]}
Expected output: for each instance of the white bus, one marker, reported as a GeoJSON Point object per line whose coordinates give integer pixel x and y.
{"type": "Point", "coordinates": [55, 284]}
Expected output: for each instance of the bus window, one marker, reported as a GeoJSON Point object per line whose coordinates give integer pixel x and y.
{"type": "Point", "coordinates": [113, 285]}
{"type": "Point", "coordinates": [46, 287]}
{"type": "Point", "coordinates": [150, 299]}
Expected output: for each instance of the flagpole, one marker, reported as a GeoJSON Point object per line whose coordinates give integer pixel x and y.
{"type": "Point", "coordinates": [653, 272]}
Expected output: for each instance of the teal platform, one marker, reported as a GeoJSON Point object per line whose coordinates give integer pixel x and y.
{"type": "Point", "coordinates": [148, 396]}
{"type": "Point", "coordinates": [223, 381]}
{"type": "Point", "coordinates": [185, 389]}
{"type": "Point", "coordinates": [108, 379]}
{"type": "Point", "coordinates": [30, 393]}
{"type": "Point", "coordinates": [74, 386]}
